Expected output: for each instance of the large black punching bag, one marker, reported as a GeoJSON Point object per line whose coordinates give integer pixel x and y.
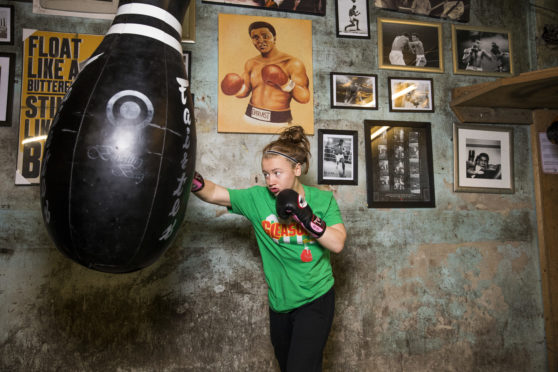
{"type": "Point", "coordinates": [120, 155]}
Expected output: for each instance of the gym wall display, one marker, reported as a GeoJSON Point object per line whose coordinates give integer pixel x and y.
{"type": "Point", "coordinates": [7, 61]}
{"type": "Point", "coordinates": [399, 164]}
{"type": "Point", "coordinates": [354, 91]}
{"type": "Point", "coordinates": [6, 24]}
{"type": "Point", "coordinates": [265, 74]}
{"type": "Point", "coordinates": [337, 157]}
{"type": "Point", "coordinates": [312, 7]}
{"type": "Point", "coordinates": [410, 94]}
{"type": "Point", "coordinates": [450, 10]}
{"type": "Point", "coordinates": [481, 51]}
{"type": "Point", "coordinates": [51, 61]}
{"type": "Point", "coordinates": [410, 45]}
{"type": "Point", "coordinates": [483, 159]}
{"type": "Point", "coordinates": [351, 18]}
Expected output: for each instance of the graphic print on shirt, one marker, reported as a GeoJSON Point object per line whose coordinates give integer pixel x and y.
{"type": "Point", "coordinates": [293, 233]}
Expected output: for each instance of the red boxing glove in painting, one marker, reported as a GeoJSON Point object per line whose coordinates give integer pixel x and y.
{"type": "Point", "coordinates": [290, 203]}
{"type": "Point", "coordinates": [197, 182]}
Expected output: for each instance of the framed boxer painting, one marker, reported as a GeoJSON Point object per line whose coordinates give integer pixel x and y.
{"type": "Point", "coordinates": [265, 74]}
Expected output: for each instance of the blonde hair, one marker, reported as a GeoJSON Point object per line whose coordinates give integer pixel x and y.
{"type": "Point", "coordinates": [292, 144]}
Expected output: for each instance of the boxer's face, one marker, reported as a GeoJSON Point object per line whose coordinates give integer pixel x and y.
{"type": "Point", "coordinates": [279, 173]}
{"type": "Point", "coordinates": [263, 39]}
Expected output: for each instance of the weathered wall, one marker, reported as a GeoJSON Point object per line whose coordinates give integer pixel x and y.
{"type": "Point", "coordinates": [455, 288]}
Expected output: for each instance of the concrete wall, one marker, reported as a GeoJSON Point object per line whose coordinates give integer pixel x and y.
{"type": "Point", "coordinates": [454, 288]}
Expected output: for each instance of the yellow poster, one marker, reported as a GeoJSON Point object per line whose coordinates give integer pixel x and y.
{"type": "Point", "coordinates": [51, 61]}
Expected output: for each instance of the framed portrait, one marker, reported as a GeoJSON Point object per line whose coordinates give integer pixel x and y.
{"type": "Point", "coordinates": [351, 18]}
{"type": "Point", "coordinates": [483, 159]}
{"type": "Point", "coordinates": [481, 51]}
{"type": "Point", "coordinates": [354, 91]}
{"type": "Point", "coordinates": [312, 7]}
{"type": "Point", "coordinates": [399, 164]}
{"type": "Point", "coordinates": [338, 157]}
{"type": "Point", "coordinates": [410, 45]}
{"type": "Point", "coordinates": [287, 96]}
{"type": "Point", "coordinates": [6, 24]}
{"type": "Point", "coordinates": [7, 61]}
{"type": "Point", "coordinates": [450, 10]}
{"type": "Point", "coordinates": [187, 57]}
{"type": "Point", "coordinates": [411, 94]}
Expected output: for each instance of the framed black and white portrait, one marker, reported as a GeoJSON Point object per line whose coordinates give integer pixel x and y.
{"type": "Point", "coordinates": [351, 18]}
{"type": "Point", "coordinates": [338, 157]}
{"type": "Point", "coordinates": [445, 9]}
{"type": "Point", "coordinates": [6, 24]}
{"type": "Point", "coordinates": [411, 94]}
{"type": "Point", "coordinates": [354, 91]}
{"type": "Point", "coordinates": [7, 61]}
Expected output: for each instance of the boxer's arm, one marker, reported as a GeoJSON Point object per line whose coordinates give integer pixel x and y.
{"type": "Point", "coordinates": [247, 86]}
{"type": "Point", "coordinates": [334, 238]}
{"type": "Point", "coordinates": [210, 192]}
{"type": "Point", "coordinates": [300, 92]}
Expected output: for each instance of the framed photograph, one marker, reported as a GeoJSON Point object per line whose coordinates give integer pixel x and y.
{"type": "Point", "coordinates": [451, 10]}
{"type": "Point", "coordinates": [354, 91]}
{"type": "Point", "coordinates": [411, 94]}
{"type": "Point", "coordinates": [7, 61]}
{"type": "Point", "coordinates": [312, 7]}
{"type": "Point", "coordinates": [6, 24]}
{"type": "Point", "coordinates": [410, 45]}
{"type": "Point", "coordinates": [481, 51]}
{"type": "Point", "coordinates": [351, 18]}
{"type": "Point", "coordinates": [483, 159]}
{"type": "Point", "coordinates": [399, 164]}
{"type": "Point", "coordinates": [187, 57]}
{"type": "Point", "coordinates": [338, 157]}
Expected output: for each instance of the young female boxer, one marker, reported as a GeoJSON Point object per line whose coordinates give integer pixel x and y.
{"type": "Point", "coordinates": [297, 227]}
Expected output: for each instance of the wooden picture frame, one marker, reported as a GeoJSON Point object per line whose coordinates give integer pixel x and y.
{"type": "Point", "coordinates": [6, 24]}
{"type": "Point", "coordinates": [338, 157]}
{"type": "Point", "coordinates": [354, 91]}
{"type": "Point", "coordinates": [482, 51]}
{"type": "Point", "coordinates": [450, 10]}
{"type": "Point", "coordinates": [483, 159]}
{"type": "Point", "coordinates": [410, 45]}
{"type": "Point", "coordinates": [7, 61]}
{"type": "Point", "coordinates": [399, 171]}
{"type": "Point", "coordinates": [314, 7]}
{"type": "Point", "coordinates": [351, 19]}
{"type": "Point", "coordinates": [411, 94]}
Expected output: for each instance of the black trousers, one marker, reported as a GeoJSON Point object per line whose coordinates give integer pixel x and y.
{"type": "Point", "coordinates": [299, 336]}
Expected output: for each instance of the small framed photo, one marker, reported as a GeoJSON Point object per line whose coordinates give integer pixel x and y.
{"type": "Point", "coordinates": [354, 91]}
{"type": "Point", "coordinates": [351, 18]}
{"type": "Point", "coordinates": [483, 159]}
{"type": "Point", "coordinates": [399, 164]}
{"type": "Point", "coordinates": [6, 24]}
{"type": "Point", "coordinates": [481, 51]}
{"type": "Point", "coordinates": [7, 61]}
{"type": "Point", "coordinates": [338, 157]}
{"type": "Point", "coordinates": [410, 45]}
{"type": "Point", "coordinates": [450, 10]}
{"type": "Point", "coordinates": [411, 94]}
{"type": "Point", "coordinates": [187, 57]}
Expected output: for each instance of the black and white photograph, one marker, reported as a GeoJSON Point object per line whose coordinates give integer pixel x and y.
{"type": "Point", "coordinates": [451, 10]}
{"type": "Point", "coordinates": [356, 91]}
{"type": "Point", "coordinates": [338, 157]}
{"type": "Point", "coordinates": [312, 7]}
{"type": "Point", "coordinates": [410, 45]}
{"type": "Point", "coordinates": [187, 58]}
{"type": "Point", "coordinates": [399, 171]}
{"type": "Point", "coordinates": [6, 25]}
{"type": "Point", "coordinates": [411, 94]}
{"type": "Point", "coordinates": [352, 19]}
{"type": "Point", "coordinates": [483, 159]}
{"type": "Point", "coordinates": [482, 51]}
{"type": "Point", "coordinates": [7, 61]}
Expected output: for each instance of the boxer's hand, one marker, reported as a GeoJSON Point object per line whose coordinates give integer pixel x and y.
{"type": "Point", "coordinates": [290, 203]}
{"type": "Point", "coordinates": [231, 84]}
{"type": "Point", "coordinates": [275, 76]}
{"type": "Point", "coordinates": [197, 182]}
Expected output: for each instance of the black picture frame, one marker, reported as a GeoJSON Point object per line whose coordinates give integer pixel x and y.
{"type": "Point", "coordinates": [7, 68]}
{"type": "Point", "coordinates": [354, 91]}
{"type": "Point", "coordinates": [411, 94]}
{"type": "Point", "coordinates": [399, 171]}
{"type": "Point", "coordinates": [6, 24]}
{"type": "Point", "coordinates": [338, 157]}
{"type": "Point", "coordinates": [350, 20]}
{"type": "Point", "coordinates": [315, 7]}
{"type": "Point", "coordinates": [450, 10]}
{"type": "Point", "coordinates": [187, 57]}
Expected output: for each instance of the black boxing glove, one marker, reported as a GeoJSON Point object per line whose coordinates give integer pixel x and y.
{"type": "Point", "coordinates": [290, 203]}
{"type": "Point", "coordinates": [197, 182]}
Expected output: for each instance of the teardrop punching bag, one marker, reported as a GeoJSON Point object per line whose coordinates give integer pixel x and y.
{"type": "Point", "coordinates": [120, 154]}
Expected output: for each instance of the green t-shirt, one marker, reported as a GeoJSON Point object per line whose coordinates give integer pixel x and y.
{"type": "Point", "coordinates": [297, 268]}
